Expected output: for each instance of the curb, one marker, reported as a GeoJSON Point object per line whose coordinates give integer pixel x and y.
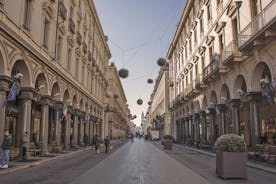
{"type": "Point", "coordinates": [249, 164]}
{"type": "Point", "coordinates": [2, 172]}
{"type": "Point", "coordinates": [39, 162]}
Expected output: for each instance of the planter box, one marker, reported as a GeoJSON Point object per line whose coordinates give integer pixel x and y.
{"type": "Point", "coordinates": [231, 164]}
{"type": "Point", "coordinates": [167, 144]}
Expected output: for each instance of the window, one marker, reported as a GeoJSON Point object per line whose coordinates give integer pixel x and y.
{"type": "Point", "coordinates": [221, 41]}
{"type": "Point", "coordinates": [46, 33]}
{"type": "Point", "coordinates": [69, 59]}
{"type": "Point", "coordinates": [1, 4]}
{"type": "Point", "coordinates": [71, 12]}
{"type": "Point", "coordinates": [26, 20]}
{"type": "Point", "coordinates": [209, 12]}
{"type": "Point", "coordinates": [201, 26]}
{"type": "Point", "coordinates": [195, 36]}
{"type": "Point", "coordinates": [186, 52]}
{"type": "Point", "coordinates": [59, 47]}
{"type": "Point", "coordinates": [211, 52]}
{"type": "Point", "coordinates": [190, 47]}
{"type": "Point", "coordinates": [235, 29]}
{"type": "Point", "coordinates": [196, 69]}
{"type": "Point", "coordinates": [202, 63]}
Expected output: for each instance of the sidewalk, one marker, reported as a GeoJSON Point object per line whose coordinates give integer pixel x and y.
{"type": "Point", "coordinates": [251, 163]}
{"type": "Point", "coordinates": [16, 165]}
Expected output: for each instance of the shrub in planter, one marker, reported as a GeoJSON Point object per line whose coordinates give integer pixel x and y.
{"type": "Point", "coordinates": [231, 156]}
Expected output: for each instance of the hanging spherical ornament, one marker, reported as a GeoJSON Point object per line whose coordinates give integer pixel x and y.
{"type": "Point", "coordinates": [123, 73]}
{"type": "Point", "coordinates": [150, 81]}
{"type": "Point", "coordinates": [133, 117]}
{"type": "Point", "coordinates": [161, 61]}
{"type": "Point", "coordinates": [139, 101]}
{"type": "Point", "coordinates": [149, 103]}
{"type": "Point", "coordinates": [130, 116]}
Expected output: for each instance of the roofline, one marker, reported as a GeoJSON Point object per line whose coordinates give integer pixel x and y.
{"type": "Point", "coordinates": [95, 14]}
{"type": "Point", "coordinates": [179, 28]}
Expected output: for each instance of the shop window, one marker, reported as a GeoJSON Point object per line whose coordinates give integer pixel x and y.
{"type": "Point", "coordinates": [11, 125]}
{"type": "Point", "coordinates": [268, 131]}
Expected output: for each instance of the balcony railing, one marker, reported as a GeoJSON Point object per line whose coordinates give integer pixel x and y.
{"type": "Point", "coordinates": [198, 80]}
{"type": "Point", "coordinates": [210, 69]}
{"type": "Point", "coordinates": [261, 21]}
{"type": "Point", "coordinates": [230, 50]}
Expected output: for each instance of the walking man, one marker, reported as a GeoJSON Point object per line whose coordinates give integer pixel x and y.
{"type": "Point", "coordinates": [7, 142]}
{"type": "Point", "coordinates": [97, 144]}
{"type": "Point", "coordinates": [106, 143]}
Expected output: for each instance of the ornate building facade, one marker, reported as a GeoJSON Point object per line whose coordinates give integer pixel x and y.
{"type": "Point", "coordinates": [117, 109]}
{"type": "Point", "coordinates": [56, 53]}
{"type": "Point", "coordinates": [222, 71]}
{"type": "Point", "coordinates": [158, 114]}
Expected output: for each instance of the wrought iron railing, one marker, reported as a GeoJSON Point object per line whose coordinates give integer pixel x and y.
{"type": "Point", "coordinates": [210, 69]}
{"type": "Point", "coordinates": [263, 19]}
{"type": "Point", "coordinates": [229, 50]}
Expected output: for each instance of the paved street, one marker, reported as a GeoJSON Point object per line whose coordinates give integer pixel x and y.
{"type": "Point", "coordinates": [140, 163]}
{"type": "Point", "coordinates": [133, 163]}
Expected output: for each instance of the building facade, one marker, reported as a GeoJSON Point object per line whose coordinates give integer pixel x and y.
{"type": "Point", "coordinates": [117, 109]}
{"type": "Point", "coordinates": [222, 71]}
{"type": "Point", "coordinates": [56, 54]}
{"type": "Point", "coordinates": [158, 112]}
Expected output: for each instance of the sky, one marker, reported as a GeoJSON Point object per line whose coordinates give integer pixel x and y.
{"type": "Point", "coordinates": [139, 32]}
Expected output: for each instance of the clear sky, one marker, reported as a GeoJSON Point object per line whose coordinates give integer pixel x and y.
{"type": "Point", "coordinates": [139, 32]}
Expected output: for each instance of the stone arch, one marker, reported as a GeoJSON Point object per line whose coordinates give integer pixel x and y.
{"type": "Point", "coordinates": [41, 83]}
{"type": "Point", "coordinates": [204, 103]}
{"type": "Point", "coordinates": [75, 102]}
{"type": "Point", "coordinates": [55, 92]}
{"type": "Point", "coordinates": [66, 97]}
{"type": "Point", "coordinates": [3, 60]}
{"type": "Point", "coordinates": [21, 67]}
{"type": "Point", "coordinates": [239, 87]}
{"type": "Point", "coordinates": [261, 71]}
{"type": "Point", "coordinates": [224, 93]}
{"type": "Point", "coordinates": [81, 105]}
{"type": "Point", "coordinates": [213, 98]}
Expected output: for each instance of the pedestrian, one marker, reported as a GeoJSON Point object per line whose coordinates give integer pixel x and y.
{"type": "Point", "coordinates": [85, 139]}
{"type": "Point", "coordinates": [7, 142]}
{"type": "Point", "coordinates": [106, 143]}
{"type": "Point", "coordinates": [97, 144]}
{"type": "Point", "coordinates": [24, 145]}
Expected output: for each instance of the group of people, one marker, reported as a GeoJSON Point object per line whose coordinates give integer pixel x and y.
{"type": "Point", "coordinates": [97, 142]}
{"type": "Point", "coordinates": [7, 143]}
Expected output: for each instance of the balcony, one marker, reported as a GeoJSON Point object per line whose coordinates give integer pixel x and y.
{"type": "Point", "coordinates": [62, 10]}
{"type": "Point", "coordinates": [199, 84]}
{"type": "Point", "coordinates": [211, 71]}
{"type": "Point", "coordinates": [230, 54]}
{"type": "Point", "coordinates": [263, 26]}
{"type": "Point", "coordinates": [72, 26]}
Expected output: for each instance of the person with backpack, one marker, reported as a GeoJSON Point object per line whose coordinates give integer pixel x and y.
{"type": "Point", "coordinates": [107, 144]}
{"type": "Point", "coordinates": [6, 144]}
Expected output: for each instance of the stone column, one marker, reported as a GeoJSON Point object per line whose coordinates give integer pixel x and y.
{"type": "Point", "coordinates": [67, 145]}
{"type": "Point", "coordinates": [197, 120]}
{"type": "Point", "coordinates": [235, 104]}
{"type": "Point", "coordinates": [204, 126]}
{"type": "Point", "coordinates": [75, 129]}
{"type": "Point", "coordinates": [57, 123]}
{"type": "Point", "coordinates": [222, 119]}
{"type": "Point", "coordinates": [187, 128]}
{"type": "Point", "coordinates": [191, 120]}
{"type": "Point", "coordinates": [81, 130]}
{"type": "Point", "coordinates": [254, 99]}
{"type": "Point", "coordinates": [183, 129]}
{"type": "Point", "coordinates": [4, 87]}
{"type": "Point", "coordinates": [45, 102]}
{"type": "Point", "coordinates": [212, 124]}
{"type": "Point", "coordinates": [25, 112]}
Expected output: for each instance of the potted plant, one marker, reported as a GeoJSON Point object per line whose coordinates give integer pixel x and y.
{"type": "Point", "coordinates": [167, 142]}
{"type": "Point", "coordinates": [231, 156]}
